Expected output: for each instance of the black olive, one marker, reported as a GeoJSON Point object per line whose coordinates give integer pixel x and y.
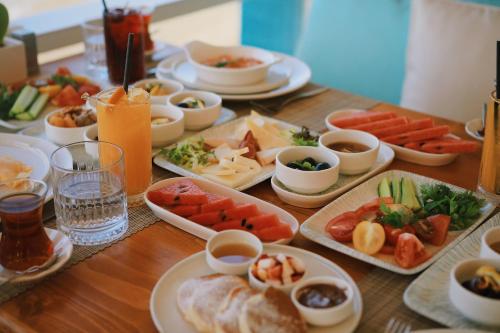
{"type": "Point", "coordinates": [322, 166]}
{"type": "Point", "coordinates": [311, 160]}
{"type": "Point", "coordinates": [294, 165]}
{"type": "Point", "coordinates": [183, 105]}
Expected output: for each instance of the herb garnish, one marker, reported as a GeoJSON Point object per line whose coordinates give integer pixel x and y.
{"type": "Point", "coordinates": [304, 137]}
{"type": "Point", "coordinates": [189, 154]}
{"type": "Point", "coordinates": [396, 218]}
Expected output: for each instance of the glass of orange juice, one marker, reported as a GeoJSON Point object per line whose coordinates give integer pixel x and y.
{"type": "Point", "coordinates": [125, 120]}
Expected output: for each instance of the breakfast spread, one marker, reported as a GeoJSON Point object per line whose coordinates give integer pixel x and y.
{"type": "Point", "coordinates": [73, 116]}
{"type": "Point", "coordinates": [277, 270]}
{"type": "Point", "coordinates": [228, 61]}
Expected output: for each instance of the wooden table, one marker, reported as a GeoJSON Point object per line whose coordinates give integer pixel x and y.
{"type": "Point", "coordinates": [110, 291]}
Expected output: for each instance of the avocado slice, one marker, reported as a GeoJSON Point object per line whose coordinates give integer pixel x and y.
{"type": "Point", "coordinates": [408, 195]}
{"type": "Point", "coordinates": [384, 188]}
{"type": "Point", "coordinates": [396, 190]}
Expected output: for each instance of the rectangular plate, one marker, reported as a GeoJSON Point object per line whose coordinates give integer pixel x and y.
{"type": "Point", "coordinates": [313, 228]}
{"type": "Point", "coordinates": [428, 294]}
{"type": "Point", "coordinates": [220, 132]}
{"type": "Point", "coordinates": [209, 186]}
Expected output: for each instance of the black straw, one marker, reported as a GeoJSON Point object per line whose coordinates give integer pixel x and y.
{"type": "Point", "coordinates": [130, 43]}
{"type": "Point", "coordinates": [498, 70]}
{"type": "Point", "coordinates": [105, 6]}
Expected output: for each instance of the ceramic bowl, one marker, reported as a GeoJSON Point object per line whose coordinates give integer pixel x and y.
{"type": "Point", "coordinates": [489, 237]}
{"type": "Point", "coordinates": [197, 119]}
{"type": "Point", "coordinates": [198, 52]}
{"type": "Point", "coordinates": [478, 308]}
{"type": "Point", "coordinates": [231, 237]}
{"type": "Point", "coordinates": [63, 135]}
{"type": "Point", "coordinates": [171, 85]}
{"type": "Point", "coordinates": [307, 182]}
{"type": "Point", "coordinates": [352, 163]}
{"type": "Point", "coordinates": [165, 134]}
{"type": "Point", "coordinates": [327, 316]}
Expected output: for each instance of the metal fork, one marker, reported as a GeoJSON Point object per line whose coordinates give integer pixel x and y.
{"type": "Point", "coordinates": [397, 326]}
{"type": "Point", "coordinates": [273, 108]}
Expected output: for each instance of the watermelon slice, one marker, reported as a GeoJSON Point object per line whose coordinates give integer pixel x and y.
{"type": "Point", "coordinates": [419, 135]}
{"type": "Point", "coordinates": [241, 212]}
{"type": "Point", "coordinates": [272, 234]}
{"type": "Point", "coordinates": [227, 225]}
{"type": "Point", "coordinates": [450, 147]}
{"type": "Point", "coordinates": [394, 130]}
{"type": "Point", "coordinates": [216, 203]}
{"type": "Point", "coordinates": [184, 210]}
{"type": "Point", "coordinates": [207, 218]}
{"type": "Point", "coordinates": [183, 192]}
{"type": "Point", "coordinates": [381, 124]}
{"type": "Point", "coordinates": [363, 118]}
{"type": "Point", "coordinates": [262, 221]}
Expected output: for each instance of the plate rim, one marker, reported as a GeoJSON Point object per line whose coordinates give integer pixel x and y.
{"type": "Point", "coordinates": [469, 130]}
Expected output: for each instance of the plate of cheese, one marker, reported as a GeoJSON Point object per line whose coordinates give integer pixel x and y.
{"type": "Point", "coordinates": [238, 154]}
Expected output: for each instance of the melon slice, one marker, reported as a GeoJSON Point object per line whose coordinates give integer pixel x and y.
{"type": "Point", "coordinates": [182, 192]}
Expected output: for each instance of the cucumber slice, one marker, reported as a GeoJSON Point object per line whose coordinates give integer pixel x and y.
{"type": "Point", "coordinates": [38, 105]}
{"type": "Point", "coordinates": [24, 116]}
{"type": "Point", "coordinates": [408, 195]}
{"type": "Point", "coordinates": [396, 190]}
{"type": "Point", "coordinates": [24, 100]}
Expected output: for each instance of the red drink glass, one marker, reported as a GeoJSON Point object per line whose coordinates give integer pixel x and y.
{"type": "Point", "coordinates": [118, 23]}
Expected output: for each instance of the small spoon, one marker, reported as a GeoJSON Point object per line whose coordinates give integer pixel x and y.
{"type": "Point", "coordinates": [32, 269]}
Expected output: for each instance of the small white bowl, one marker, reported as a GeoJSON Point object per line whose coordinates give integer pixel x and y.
{"type": "Point", "coordinates": [171, 85]}
{"type": "Point", "coordinates": [352, 163]}
{"type": "Point", "coordinates": [164, 134]}
{"type": "Point", "coordinates": [307, 182]}
{"type": "Point", "coordinates": [258, 284]}
{"type": "Point", "coordinates": [197, 119]}
{"type": "Point", "coordinates": [90, 133]}
{"type": "Point", "coordinates": [231, 237]}
{"type": "Point", "coordinates": [198, 52]}
{"type": "Point", "coordinates": [489, 237]}
{"type": "Point", "coordinates": [478, 308]}
{"type": "Point", "coordinates": [326, 316]}
{"type": "Point", "coordinates": [63, 135]}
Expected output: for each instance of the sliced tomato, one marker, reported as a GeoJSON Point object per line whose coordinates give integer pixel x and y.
{"type": "Point", "coordinates": [68, 96]}
{"type": "Point", "coordinates": [409, 229]}
{"type": "Point", "coordinates": [441, 223]}
{"type": "Point", "coordinates": [91, 89]}
{"type": "Point", "coordinates": [373, 206]}
{"type": "Point", "coordinates": [342, 226]}
{"type": "Point", "coordinates": [387, 249]}
{"type": "Point", "coordinates": [392, 234]}
{"type": "Point", "coordinates": [63, 71]}
{"type": "Point", "coordinates": [409, 252]}
{"type": "Point", "coordinates": [341, 217]}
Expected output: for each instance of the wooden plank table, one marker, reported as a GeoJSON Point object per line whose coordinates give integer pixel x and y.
{"type": "Point", "coordinates": [110, 291]}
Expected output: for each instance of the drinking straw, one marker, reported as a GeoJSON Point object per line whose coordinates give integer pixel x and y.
{"type": "Point", "coordinates": [498, 69]}
{"type": "Point", "coordinates": [105, 6]}
{"type": "Point", "coordinates": [127, 61]}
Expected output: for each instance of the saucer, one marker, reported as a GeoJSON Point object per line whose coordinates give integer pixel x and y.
{"type": "Point", "coordinates": [63, 248]}
{"type": "Point", "coordinates": [28, 155]}
{"type": "Point", "coordinates": [185, 73]}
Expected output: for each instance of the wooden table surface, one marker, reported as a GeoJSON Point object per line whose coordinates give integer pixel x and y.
{"type": "Point", "coordinates": [110, 291]}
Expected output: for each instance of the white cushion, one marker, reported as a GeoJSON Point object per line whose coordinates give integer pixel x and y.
{"type": "Point", "coordinates": [450, 65]}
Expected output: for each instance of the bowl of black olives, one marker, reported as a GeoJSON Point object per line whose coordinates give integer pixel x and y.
{"type": "Point", "coordinates": [307, 170]}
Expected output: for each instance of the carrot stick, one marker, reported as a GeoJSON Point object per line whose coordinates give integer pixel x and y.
{"type": "Point", "coordinates": [362, 118]}
{"type": "Point", "coordinates": [419, 135]}
{"type": "Point", "coordinates": [411, 126]}
{"type": "Point", "coordinates": [450, 147]}
{"type": "Point", "coordinates": [381, 124]}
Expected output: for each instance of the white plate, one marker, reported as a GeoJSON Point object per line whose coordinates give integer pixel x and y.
{"type": "Point", "coordinates": [313, 228]}
{"type": "Point", "coordinates": [405, 154]}
{"type": "Point", "coordinates": [448, 330]}
{"type": "Point", "coordinates": [238, 197]}
{"type": "Point", "coordinates": [30, 156]}
{"type": "Point", "coordinates": [299, 77]}
{"type": "Point", "coordinates": [428, 293]}
{"type": "Point", "coordinates": [46, 147]}
{"type": "Point", "coordinates": [62, 247]}
{"type": "Point", "coordinates": [344, 183]}
{"type": "Point", "coordinates": [223, 131]}
{"type": "Point", "coordinates": [473, 126]}
{"type": "Point", "coordinates": [163, 304]}
{"type": "Point", "coordinates": [185, 73]}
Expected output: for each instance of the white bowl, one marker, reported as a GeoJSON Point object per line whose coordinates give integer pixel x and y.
{"type": "Point", "coordinates": [489, 237]}
{"type": "Point", "coordinates": [475, 307]}
{"type": "Point", "coordinates": [164, 134]}
{"type": "Point", "coordinates": [326, 316]}
{"type": "Point", "coordinates": [231, 237]}
{"type": "Point", "coordinates": [307, 182]}
{"type": "Point", "coordinates": [197, 119]}
{"type": "Point", "coordinates": [63, 135]}
{"type": "Point", "coordinates": [197, 52]}
{"type": "Point", "coordinates": [258, 284]}
{"type": "Point", "coordinates": [352, 163]}
{"type": "Point", "coordinates": [172, 85]}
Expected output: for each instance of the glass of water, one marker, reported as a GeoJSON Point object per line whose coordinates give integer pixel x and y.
{"type": "Point", "coordinates": [89, 192]}
{"type": "Point", "coordinates": [95, 49]}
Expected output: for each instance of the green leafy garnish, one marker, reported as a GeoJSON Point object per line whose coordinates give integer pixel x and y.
{"type": "Point", "coordinates": [64, 80]}
{"type": "Point", "coordinates": [221, 64]}
{"type": "Point", "coordinates": [463, 207]}
{"type": "Point", "coordinates": [396, 215]}
{"type": "Point", "coordinates": [8, 97]}
{"type": "Point", "coordinates": [304, 137]}
{"type": "Point", "coordinates": [189, 154]}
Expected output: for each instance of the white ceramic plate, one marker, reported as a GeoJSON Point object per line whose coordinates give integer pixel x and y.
{"type": "Point", "coordinates": [163, 304]}
{"type": "Point", "coordinates": [28, 155]}
{"type": "Point", "coordinates": [313, 228]}
{"type": "Point", "coordinates": [46, 147]}
{"type": "Point", "coordinates": [344, 183]}
{"type": "Point", "coordinates": [448, 330]}
{"type": "Point", "coordinates": [238, 197]}
{"type": "Point", "coordinates": [185, 73]}
{"type": "Point", "coordinates": [300, 76]}
{"type": "Point", "coordinates": [472, 127]}
{"type": "Point", "coordinates": [223, 131]}
{"type": "Point", "coordinates": [62, 247]}
{"type": "Point", "coordinates": [428, 293]}
{"type": "Point", "coordinates": [402, 153]}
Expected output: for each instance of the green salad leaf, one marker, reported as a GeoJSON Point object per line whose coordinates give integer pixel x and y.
{"type": "Point", "coordinates": [304, 137]}
{"type": "Point", "coordinates": [189, 154]}
{"type": "Point", "coordinates": [64, 80]}
{"type": "Point", "coordinates": [396, 215]}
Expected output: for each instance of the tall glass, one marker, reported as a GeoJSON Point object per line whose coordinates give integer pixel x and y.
{"type": "Point", "coordinates": [23, 242]}
{"type": "Point", "coordinates": [89, 192]}
{"type": "Point", "coordinates": [118, 23]}
{"type": "Point", "coordinates": [95, 50]}
{"type": "Point", "coordinates": [128, 125]}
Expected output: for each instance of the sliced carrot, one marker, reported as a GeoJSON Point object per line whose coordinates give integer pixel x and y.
{"type": "Point", "coordinates": [419, 135]}
{"type": "Point", "coordinates": [381, 124]}
{"type": "Point", "coordinates": [117, 95]}
{"type": "Point", "coordinates": [363, 118]}
{"type": "Point", "coordinates": [411, 126]}
{"type": "Point", "coordinates": [450, 147]}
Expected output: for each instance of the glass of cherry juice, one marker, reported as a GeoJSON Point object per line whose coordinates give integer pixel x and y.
{"type": "Point", "coordinates": [23, 241]}
{"type": "Point", "coordinates": [118, 23]}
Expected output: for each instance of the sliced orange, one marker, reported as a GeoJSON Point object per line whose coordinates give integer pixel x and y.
{"type": "Point", "coordinates": [117, 95]}
{"type": "Point", "coordinates": [368, 237]}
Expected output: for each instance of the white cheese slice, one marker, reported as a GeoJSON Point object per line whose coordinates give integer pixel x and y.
{"type": "Point", "coordinates": [231, 180]}
{"type": "Point", "coordinates": [235, 166]}
{"type": "Point", "coordinates": [218, 170]}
